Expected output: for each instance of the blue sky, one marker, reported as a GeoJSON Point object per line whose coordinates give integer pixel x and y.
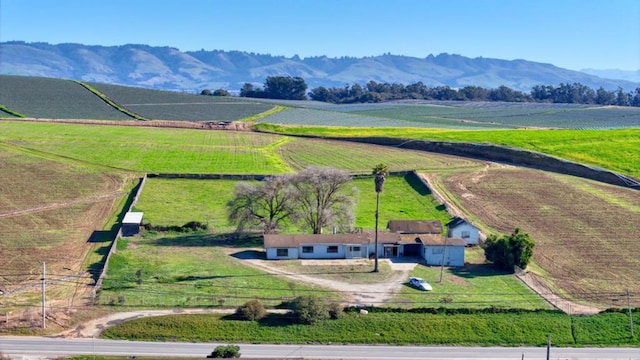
{"type": "Point", "coordinates": [574, 34]}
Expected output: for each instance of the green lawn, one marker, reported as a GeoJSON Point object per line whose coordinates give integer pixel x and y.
{"type": "Point", "coordinates": [474, 286]}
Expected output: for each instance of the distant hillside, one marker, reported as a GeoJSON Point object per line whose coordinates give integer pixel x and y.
{"type": "Point", "coordinates": [168, 68]}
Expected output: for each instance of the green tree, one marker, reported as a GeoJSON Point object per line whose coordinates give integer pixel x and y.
{"type": "Point", "coordinates": [506, 251]}
{"type": "Point", "coordinates": [380, 171]}
{"type": "Point", "coordinates": [285, 87]}
{"type": "Point", "coordinates": [221, 92]}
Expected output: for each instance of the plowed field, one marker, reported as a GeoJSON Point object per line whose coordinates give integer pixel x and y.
{"type": "Point", "coordinates": [586, 233]}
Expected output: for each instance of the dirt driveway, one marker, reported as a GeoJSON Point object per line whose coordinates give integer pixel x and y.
{"type": "Point", "coordinates": [361, 294]}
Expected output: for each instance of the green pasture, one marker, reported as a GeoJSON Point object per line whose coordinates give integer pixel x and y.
{"type": "Point", "coordinates": [399, 328]}
{"type": "Point", "coordinates": [171, 202]}
{"type": "Point", "coordinates": [615, 149]}
{"type": "Point", "coordinates": [151, 150]}
{"type": "Point", "coordinates": [192, 270]}
{"type": "Point", "coordinates": [175, 202]}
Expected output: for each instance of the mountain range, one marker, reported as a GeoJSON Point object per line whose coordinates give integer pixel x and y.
{"type": "Point", "coordinates": [168, 68]}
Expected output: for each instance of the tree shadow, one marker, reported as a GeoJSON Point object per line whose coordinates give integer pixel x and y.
{"type": "Point", "coordinates": [417, 185]}
{"type": "Point", "coordinates": [250, 255]}
{"type": "Point", "coordinates": [207, 239]}
{"type": "Point", "coordinates": [470, 271]}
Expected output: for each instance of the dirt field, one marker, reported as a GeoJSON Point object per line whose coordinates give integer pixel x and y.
{"type": "Point", "coordinates": [48, 213]}
{"type": "Point", "coordinates": [586, 233]}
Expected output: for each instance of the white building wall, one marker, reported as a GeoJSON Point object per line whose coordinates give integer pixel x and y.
{"type": "Point", "coordinates": [453, 256]}
{"type": "Point", "coordinates": [459, 231]}
{"type": "Point", "coordinates": [272, 254]}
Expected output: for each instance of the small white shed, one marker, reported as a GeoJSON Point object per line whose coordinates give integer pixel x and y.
{"type": "Point", "coordinates": [131, 223]}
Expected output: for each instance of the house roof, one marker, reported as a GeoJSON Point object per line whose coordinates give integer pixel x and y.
{"type": "Point", "coordinates": [415, 226]}
{"type": "Point", "coordinates": [457, 221]}
{"type": "Point", "coordinates": [295, 240]}
{"type": "Point", "coordinates": [132, 218]}
{"type": "Point", "coordinates": [439, 240]}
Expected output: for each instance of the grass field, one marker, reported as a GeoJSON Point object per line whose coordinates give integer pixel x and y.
{"type": "Point", "coordinates": [476, 285]}
{"type": "Point", "coordinates": [615, 150]}
{"type": "Point", "coordinates": [151, 150]}
{"type": "Point", "coordinates": [191, 270]}
{"type": "Point", "coordinates": [205, 201]}
{"type": "Point", "coordinates": [585, 232]}
{"type": "Point", "coordinates": [198, 200]}
{"type": "Point", "coordinates": [486, 329]}
{"type": "Point", "coordinates": [54, 99]}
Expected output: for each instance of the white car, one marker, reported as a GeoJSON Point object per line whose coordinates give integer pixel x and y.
{"type": "Point", "coordinates": [420, 284]}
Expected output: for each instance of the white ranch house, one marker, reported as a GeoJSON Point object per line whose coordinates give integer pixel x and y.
{"type": "Point", "coordinates": [433, 248]}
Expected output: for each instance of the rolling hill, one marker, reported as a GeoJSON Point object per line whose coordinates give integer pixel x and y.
{"type": "Point", "coordinates": [168, 68]}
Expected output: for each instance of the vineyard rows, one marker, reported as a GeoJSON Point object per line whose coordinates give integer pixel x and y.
{"type": "Point", "coordinates": [54, 99]}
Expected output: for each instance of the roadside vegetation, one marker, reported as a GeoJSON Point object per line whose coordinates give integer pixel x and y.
{"type": "Point", "coordinates": [484, 327]}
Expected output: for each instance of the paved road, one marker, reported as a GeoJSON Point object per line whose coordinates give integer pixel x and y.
{"type": "Point", "coordinates": [43, 348]}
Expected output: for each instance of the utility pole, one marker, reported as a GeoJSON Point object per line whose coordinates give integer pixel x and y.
{"type": "Point", "coordinates": [630, 313]}
{"type": "Point", "coordinates": [444, 251]}
{"type": "Point", "coordinates": [44, 313]}
{"type": "Point", "coordinates": [548, 346]}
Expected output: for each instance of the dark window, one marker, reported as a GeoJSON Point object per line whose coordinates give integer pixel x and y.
{"type": "Point", "coordinates": [282, 252]}
{"type": "Point", "coordinates": [465, 234]}
{"type": "Point", "coordinates": [355, 248]}
{"type": "Point", "coordinates": [307, 249]}
{"type": "Point", "coordinates": [332, 249]}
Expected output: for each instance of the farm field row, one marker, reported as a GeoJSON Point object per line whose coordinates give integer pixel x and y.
{"type": "Point", "coordinates": [48, 98]}
{"type": "Point", "coordinates": [615, 150]}
{"type": "Point", "coordinates": [457, 115]}
{"type": "Point", "coordinates": [54, 99]}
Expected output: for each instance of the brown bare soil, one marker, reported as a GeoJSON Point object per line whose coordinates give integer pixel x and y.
{"type": "Point", "coordinates": [586, 233]}
{"type": "Point", "coordinates": [49, 212]}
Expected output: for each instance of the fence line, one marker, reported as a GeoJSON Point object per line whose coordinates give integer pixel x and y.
{"type": "Point", "coordinates": [114, 243]}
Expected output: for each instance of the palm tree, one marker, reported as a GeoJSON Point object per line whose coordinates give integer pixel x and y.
{"type": "Point", "coordinates": [380, 171]}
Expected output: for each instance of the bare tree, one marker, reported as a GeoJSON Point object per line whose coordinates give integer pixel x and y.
{"type": "Point", "coordinates": [264, 204]}
{"type": "Point", "coordinates": [380, 171]}
{"type": "Point", "coordinates": [322, 197]}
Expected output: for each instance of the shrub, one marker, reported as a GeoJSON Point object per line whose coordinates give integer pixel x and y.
{"type": "Point", "coordinates": [251, 310]}
{"type": "Point", "coordinates": [335, 311]}
{"type": "Point", "coordinates": [509, 251]}
{"type": "Point", "coordinates": [225, 352]}
{"type": "Point", "coordinates": [309, 309]}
